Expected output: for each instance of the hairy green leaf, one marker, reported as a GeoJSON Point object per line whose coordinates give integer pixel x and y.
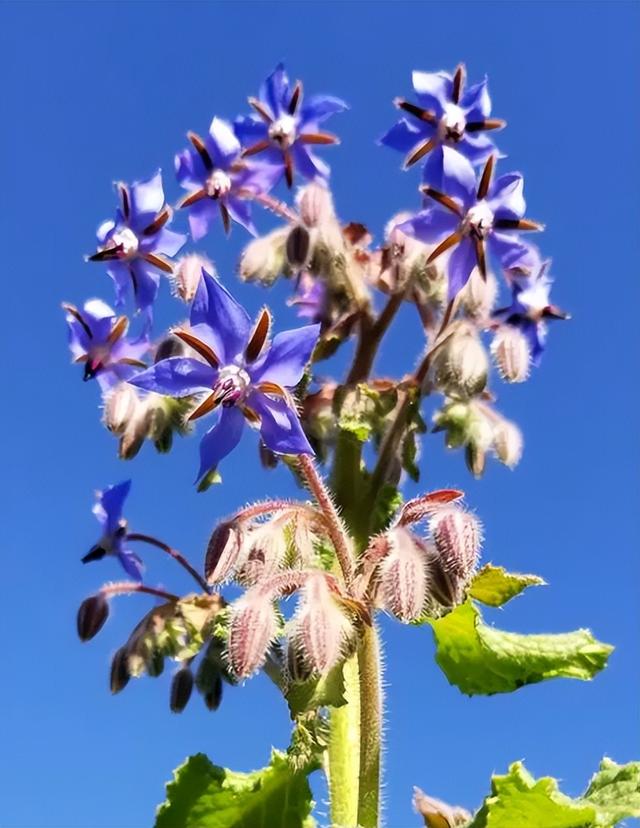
{"type": "Point", "coordinates": [204, 795]}
{"type": "Point", "coordinates": [494, 586]}
{"type": "Point", "coordinates": [615, 792]}
{"type": "Point", "coordinates": [482, 660]}
{"type": "Point", "coordinates": [326, 691]}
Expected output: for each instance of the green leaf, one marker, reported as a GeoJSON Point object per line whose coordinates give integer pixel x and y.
{"type": "Point", "coordinates": [362, 410]}
{"type": "Point", "coordinates": [494, 586]}
{"type": "Point", "coordinates": [615, 792]}
{"type": "Point", "coordinates": [388, 501]}
{"type": "Point", "coordinates": [517, 800]}
{"type": "Point", "coordinates": [326, 691]}
{"type": "Point", "coordinates": [204, 795]}
{"type": "Point", "coordinates": [482, 660]}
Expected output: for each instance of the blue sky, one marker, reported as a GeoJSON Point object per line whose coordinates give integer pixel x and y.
{"type": "Point", "coordinates": [103, 91]}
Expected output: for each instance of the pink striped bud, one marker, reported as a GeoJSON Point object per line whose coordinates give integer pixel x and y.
{"type": "Point", "coordinates": [320, 630]}
{"type": "Point", "coordinates": [253, 626]}
{"type": "Point", "coordinates": [404, 577]}
{"type": "Point", "coordinates": [511, 353]}
{"type": "Point", "coordinates": [187, 275]}
{"type": "Point", "coordinates": [457, 535]}
{"type": "Point", "coordinates": [222, 551]}
{"type": "Point", "coordinates": [266, 548]}
{"type": "Point", "coordinates": [508, 443]}
{"type": "Point", "coordinates": [315, 204]}
{"type": "Point", "coordinates": [419, 508]}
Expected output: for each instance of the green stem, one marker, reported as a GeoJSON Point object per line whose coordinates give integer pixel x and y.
{"type": "Point", "coordinates": [343, 754]}
{"type": "Point", "coordinates": [370, 729]}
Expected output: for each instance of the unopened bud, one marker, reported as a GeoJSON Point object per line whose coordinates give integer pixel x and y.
{"type": "Point", "coordinates": [438, 814]}
{"type": "Point", "coordinates": [264, 258]}
{"type": "Point", "coordinates": [170, 346]}
{"type": "Point", "coordinates": [222, 551]}
{"type": "Point", "coordinates": [187, 275]}
{"type": "Point", "coordinates": [508, 443]}
{"type": "Point", "coordinates": [120, 674]}
{"type": "Point", "coordinates": [213, 696]}
{"type": "Point", "coordinates": [478, 296]}
{"type": "Point", "coordinates": [92, 615]}
{"type": "Point", "coordinates": [457, 535]}
{"type": "Point", "coordinates": [511, 353]}
{"type": "Point", "coordinates": [298, 668]}
{"type": "Point", "coordinates": [461, 364]}
{"type": "Point", "coordinates": [476, 459]}
{"type": "Point", "coordinates": [252, 628]}
{"type": "Point", "coordinates": [320, 629]}
{"type": "Point", "coordinates": [119, 407]}
{"type": "Point", "coordinates": [181, 689]}
{"type": "Point", "coordinates": [136, 431]}
{"type": "Point", "coordinates": [315, 204]}
{"type": "Point", "coordinates": [403, 580]}
{"type": "Point", "coordinates": [268, 458]}
{"type": "Point", "coordinates": [154, 663]}
{"type": "Point", "coordinates": [298, 246]}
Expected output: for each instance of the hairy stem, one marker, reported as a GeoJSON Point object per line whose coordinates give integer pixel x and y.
{"type": "Point", "coordinates": [343, 754]}
{"type": "Point", "coordinates": [371, 333]}
{"type": "Point", "coordinates": [129, 587]}
{"type": "Point", "coordinates": [369, 666]}
{"type": "Point", "coordinates": [177, 556]}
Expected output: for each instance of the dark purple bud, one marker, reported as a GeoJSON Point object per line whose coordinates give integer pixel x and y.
{"type": "Point", "coordinates": [92, 615]}
{"type": "Point", "coordinates": [297, 247]}
{"type": "Point", "coordinates": [181, 689]}
{"type": "Point", "coordinates": [154, 663]}
{"type": "Point", "coordinates": [120, 674]}
{"type": "Point", "coordinates": [222, 551]}
{"type": "Point", "coordinates": [213, 696]}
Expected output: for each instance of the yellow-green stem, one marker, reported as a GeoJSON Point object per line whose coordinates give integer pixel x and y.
{"type": "Point", "coordinates": [343, 754]}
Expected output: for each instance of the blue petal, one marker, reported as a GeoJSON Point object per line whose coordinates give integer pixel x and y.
{"type": "Point", "coordinates": [461, 263]}
{"type": "Point", "coordinates": [476, 101]}
{"type": "Point", "coordinates": [431, 225]}
{"type": "Point", "coordinates": [202, 215]}
{"type": "Point", "coordinates": [280, 427]}
{"type": "Point", "coordinates": [146, 281]}
{"type": "Point", "coordinates": [223, 143]}
{"type": "Point", "coordinates": [318, 108]}
{"type": "Point", "coordinates": [275, 91]}
{"type": "Point", "coordinates": [131, 564]}
{"type": "Point", "coordinates": [168, 242]}
{"type": "Point", "coordinates": [458, 175]}
{"type": "Point", "coordinates": [240, 211]}
{"type": "Point", "coordinates": [506, 197]}
{"type": "Point", "coordinates": [308, 164]}
{"type": "Point", "coordinates": [228, 323]}
{"type": "Point", "coordinates": [508, 248]}
{"type": "Point", "coordinates": [220, 440]}
{"type": "Point", "coordinates": [121, 276]}
{"type": "Point", "coordinates": [477, 147]}
{"type": "Point", "coordinates": [176, 377]}
{"type": "Point", "coordinates": [250, 129]}
{"type": "Point", "coordinates": [434, 89]}
{"type": "Point", "coordinates": [288, 356]}
{"type": "Point", "coordinates": [404, 136]}
{"type": "Point", "coordinates": [108, 508]}
{"type": "Point", "coordinates": [147, 199]}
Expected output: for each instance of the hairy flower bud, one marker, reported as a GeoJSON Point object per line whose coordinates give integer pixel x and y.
{"type": "Point", "coordinates": [478, 296]}
{"type": "Point", "coordinates": [252, 628]}
{"type": "Point", "coordinates": [120, 675]}
{"type": "Point", "coordinates": [181, 689]}
{"type": "Point", "coordinates": [403, 578]}
{"type": "Point", "coordinates": [457, 535]}
{"type": "Point", "coordinates": [222, 551]}
{"type": "Point", "coordinates": [320, 629]}
{"type": "Point", "coordinates": [264, 258]}
{"type": "Point", "coordinates": [170, 346]}
{"type": "Point", "coordinates": [187, 274]}
{"type": "Point", "coordinates": [267, 548]}
{"type": "Point", "coordinates": [213, 696]}
{"type": "Point", "coordinates": [461, 365]}
{"type": "Point", "coordinates": [92, 616]}
{"type": "Point", "coordinates": [136, 432]}
{"type": "Point", "coordinates": [511, 353]}
{"type": "Point", "coordinates": [119, 407]}
{"type": "Point", "coordinates": [315, 204]}
{"type": "Point", "coordinates": [508, 443]}
{"type": "Point", "coordinates": [298, 246]}
{"type": "Point", "coordinates": [438, 814]}
{"type": "Point", "coordinates": [298, 669]}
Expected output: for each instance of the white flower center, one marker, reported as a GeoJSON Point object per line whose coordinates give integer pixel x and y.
{"type": "Point", "coordinates": [231, 385]}
{"type": "Point", "coordinates": [218, 184]}
{"type": "Point", "coordinates": [452, 124]}
{"type": "Point", "coordinates": [478, 221]}
{"type": "Point", "coordinates": [127, 240]}
{"type": "Point", "coordinates": [283, 131]}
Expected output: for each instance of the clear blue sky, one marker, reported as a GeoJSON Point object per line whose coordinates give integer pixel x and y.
{"type": "Point", "coordinates": [99, 91]}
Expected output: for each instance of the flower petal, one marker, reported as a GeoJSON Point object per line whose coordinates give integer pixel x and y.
{"type": "Point", "coordinates": [508, 248]}
{"type": "Point", "coordinates": [308, 164]}
{"type": "Point", "coordinates": [403, 136]}
{"type": "Point", "coordinates": [476, 101]}
{"type": "Point", "coordinates": [228, 323]}
{"type": "Point", "coordinates": [431, 225]}
{"type": "Point", "coordinates": [108, 508]}
{"type": "Point", "coordinates": [506, 198]}
{"type": "Point", "coordinates": [176, 377]}
{"type": "Point", "coordinates": [434, 89]}
{"type": "Point", "coordinates": [240, 211]}
{"type": "Point", "coordinates": [220, 440]}
{"type": "Point", "coordinates": [202, 215]}
{"type": "Point", "coordinates": [461, 263]}
{"type": "Point", "coordinates": [168, 242]}
{"type": "Point", "coordinates": [286, 359]}
{"type": "Point", "coordinates": [131, 564]}
{"type": "Point", "coordinates": [147, 199]}
{"type": "Point", "coordinates": [280, 427]}
{"type": "Point", "coordinates": [250, 129]}
{"type": "Point", "coordinates": [120, 273]}
{"type": "Point", "coordinates": [275, 91]}
{"type": "Point", "coordinates": [146, 281]}
{"type": "Point", "coordinates": [318, 108]}
{"type": "Point", "coordinates": [223, 142]}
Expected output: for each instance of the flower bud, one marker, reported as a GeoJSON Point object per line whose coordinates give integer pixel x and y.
{"type": "Point", "coordinates": [457, 536]}
{"type": "Point", "coordinates": [478, 296]}
{"type": "Point", "coordinates": [187, 275]}
{"type": "Point", "coordinates": [136, 431]}
{"type": "Point", "coordinates": [213, 696]}
{"type": "Point", "coordinates": [403, 579]}
{"type": "Point", "coordinates": [320, 629]}
{"type": "Point", "coordinates": [298, 246]}
{"type": "Point", "coordinates": [252, 627]}
{"type": "Point", "coordinates": [511, 352]}
{"type": "Point", "coordinates": [222, 551]}
{"type": "Point", "coordinates": [461, 364]}
{"type": "Point", "coordinates": [170, 346]}
{"type": "Point", "coordinates": [154, 662]}
{"type": "Point", "coordinates": [476, 459]}
{"type": "Point", "coordinates": [119, 407]}
{"type": "Point", "coordinates": [267, 547]}
{"type": "Point", "coordinates": [315, 204]}
{"type": "Point", "coordinates": [508, 443]}
{"type": "Point", "coordinates": [297, 667]}
{"type": "Point", "coordinates": [438, 814]}
{"type": "Point", "coordinates": [120, 674]}
{"type": "Point", "coordinates": [264, 258]}
{"type": "Point", "coordinates": [181, 689]}
{"type": "Point", "coordinates": [92, 615]}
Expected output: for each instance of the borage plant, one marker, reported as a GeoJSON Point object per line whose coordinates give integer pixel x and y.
{"type": "Point", "coordinates": [350, 548]}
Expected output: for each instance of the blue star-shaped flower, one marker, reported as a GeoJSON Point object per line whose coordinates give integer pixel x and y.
{"type": "Point", "coordinates": [108, 511]}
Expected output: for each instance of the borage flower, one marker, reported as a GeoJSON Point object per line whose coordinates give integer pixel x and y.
{"type": "Point", "coordinates": [136, 243]}
{"type": "Point", "coordinates": [97, 338]}
{"type": "Point", "coordinates": [243, 377]}
{"type": "Point", "coordinates": [530, 307]}
{"type": "Point", "coordinates": [219, 182]}
{"type": "Point", "coordinates": [108, 511]}
{"type": "Point", "coordinates": [472, 216]}
{"type": "Point", "coordinates": [446, 115]}
{"type": "Point", "coordinates": [284, 128]}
